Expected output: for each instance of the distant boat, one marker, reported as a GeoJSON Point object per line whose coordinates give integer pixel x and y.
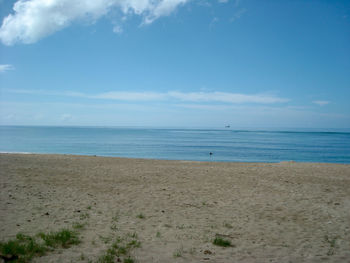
{"type": "Point", "coordinates": [227, 126]}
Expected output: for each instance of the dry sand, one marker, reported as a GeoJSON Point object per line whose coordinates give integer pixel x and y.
{"type": "Point", "coordinates": [270, 212]}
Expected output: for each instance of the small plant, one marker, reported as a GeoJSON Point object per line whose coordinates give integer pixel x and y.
{"type": "Point", "coordinates": [115, 218]}
{"type": "Point", "coordinates": [114, 227]}
{"type": "Point", "coordinates": [120, 249]}
{"type": "Point", "coordinates": [78, 225]}
{"type": "Point", "coordinates": [84, 216]}
{"type": "Point", "coordinates": [129, 260]}
{"type": "Point", "coordinates": [133, 235]}
{"type": "Point", "coordinates": [63, 238]}
{"type": "Point", "coordinates": [89, 207]}
{"type": "Point", "coordinates": [23, 248]}
{"type": "Point", "coordinates": [178, 252]}
{"type": "Point", "coordinates": [105, 240]}
{"type": "Point", "coordinates": [218, 241]}
{"type": "Point", "coordinates": [133, 244]}
{"type": "Point", "coordinates": [227, 225]}
{"type": "Point", "coordinates": [332, 244]}
{"type": "Point", "coordinates": [158, 234]}
{"type": "Point", "coordinates": [141, 216]}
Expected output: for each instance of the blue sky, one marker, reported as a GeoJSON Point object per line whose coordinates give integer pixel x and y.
{"type": "Point", "coordinates": [175, 63]}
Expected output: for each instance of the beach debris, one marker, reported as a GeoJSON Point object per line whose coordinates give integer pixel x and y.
{"type": "Point", "coordinates": [208, 252]}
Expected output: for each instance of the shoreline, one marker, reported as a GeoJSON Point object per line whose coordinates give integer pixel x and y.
{"type": "Point", "coordinates": [270, 212]}
{"type": "Point", "coordinates": [153, 159]}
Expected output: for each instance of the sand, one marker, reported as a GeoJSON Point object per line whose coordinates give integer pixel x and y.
{"type": "Point", "coordinates": [278, 212]}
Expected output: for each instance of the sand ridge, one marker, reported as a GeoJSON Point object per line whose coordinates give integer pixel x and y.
{"type": "Point", "coordinates": [271, 212]}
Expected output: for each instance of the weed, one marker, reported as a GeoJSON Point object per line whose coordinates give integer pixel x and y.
{"type": "Point", "coordinates": [141, 216]}
{"type": "Point", "coordinates": [178, 252]}
{"type": "Point", "coordinates": [129, 260]}
{"type": "Point", "coordinates": [227, 225]}
{"type": "Point", "coordinates": [158, 234]}
{"type": "Point", "coordinates": [332, 244]}
{"type": "Point", "coordinates": [218, 241]}
{"type": "Point", "coordinates": [63, 238]}
{"type": "Point", "coordinates": [120, 249]}
{"type": "Point", "coordinates": [115, 218]}
{"type": "Point", "coordinates": [133, 235]}
{"type": "Point", "coordinates": [105, 240]}
{"type": "Point", "coordinates": [114, 227]}
{"type": "Point", "coordinates": [78, 225]}
{"type": "Point", "coordinates": [82, 256]}
{"type": "Point", "coordinates": [133, 244]}
{"type": "Point", "coordinates": [84, 216]}
{"type": "Point", "coordinates": [89, 207]}
{"type": "Point", "coordinates": [23, 248]}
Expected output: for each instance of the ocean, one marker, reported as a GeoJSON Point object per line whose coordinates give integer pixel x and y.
{"type": "Point", "coordinates": [226, 145]}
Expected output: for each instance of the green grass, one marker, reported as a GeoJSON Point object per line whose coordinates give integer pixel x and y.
{"type": "Point", "coordinates": [23, 248]}
{"type": "Point", "coordinates": [227, 225]}
{"type": "Point", "coordinates": [129, 260]}
{"type": "Point", "coordinates": [84, 216]}
{"type": "Point", "coordinates": [120, 249]}
{"type": "Point", "coordinates": [218, 241]}
{"type": "Point", "coordinates": [332, 244]}
{"type": "Point", "coordinates": [78, 225]}
{"type": "Point", "coordinates": [64, 238]}
{"type": "Point", "coordinates": [178, 252]}
{"type": "Point", "coordinates": [141, 216]}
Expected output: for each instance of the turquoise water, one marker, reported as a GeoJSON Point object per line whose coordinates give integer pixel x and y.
{"type": "Point", "coordinates": [181, 144]}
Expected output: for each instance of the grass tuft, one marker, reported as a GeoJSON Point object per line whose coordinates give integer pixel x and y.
{"type": "Point", "coordinates": [64, 238]}
{"type": "Point", "coordinates": [120, 249]}
{"type": "Point", "coordinates": [218, 241]}
{"type": "Point", "coordinates": [141, 216]}
{"type": "Point", "coordinates": [23, 248]}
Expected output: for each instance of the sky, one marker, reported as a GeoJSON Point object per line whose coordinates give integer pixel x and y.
{"type": "Point", "coordinates": [175, 63]}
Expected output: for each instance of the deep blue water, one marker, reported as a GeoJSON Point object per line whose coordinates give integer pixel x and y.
{"type": "Point", "coordinates": [181, 144]}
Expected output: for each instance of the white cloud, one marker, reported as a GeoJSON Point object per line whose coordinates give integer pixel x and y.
{"type": "Point", "coordinates": [6, 67]}
{"type": "Point", "coordinates": [130, 96]}
{"type": "Point", "coordinates": [66, 117]}
{"type": "Point", "coordinates": [117, 29]}
{"type": "Point", "coordinates": [35, 19]}
{"type": "Point", "coordinates": [222, 1]}
{"type": "Point", "coordinates": [238, 14]}
{"type": "Point", "coordinates": [321, 102]}
{"type": "Point", "coordinates": [204, 97]}
{"type": "Point", "coordinates": [226, 97]}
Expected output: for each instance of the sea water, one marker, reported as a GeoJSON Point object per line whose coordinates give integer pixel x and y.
{"type": "Point", "coordinates": [228, 145]}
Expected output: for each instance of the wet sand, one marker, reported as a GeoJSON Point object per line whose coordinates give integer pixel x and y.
{"type": "Point", "coordinates": [280, 212]}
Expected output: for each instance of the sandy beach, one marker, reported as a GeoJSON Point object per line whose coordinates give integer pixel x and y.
{"type": "Point", "coordinates": [270, 212]}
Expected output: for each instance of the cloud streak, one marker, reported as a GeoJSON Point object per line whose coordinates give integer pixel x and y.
{"type": "Point", "coordinates": [195, 97]}
{"type": "Point", "coordinates": [321, 102]}
{"type": "Point", "coordinates": [36, 19]}
{"type": "Point", "coordinates": [6, 67]}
